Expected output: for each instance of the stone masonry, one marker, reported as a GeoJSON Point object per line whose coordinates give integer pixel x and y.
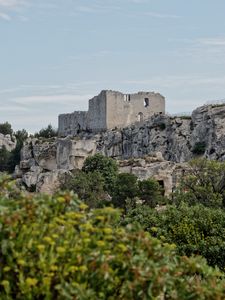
{"type": "Point", "coordinates": [110, 110]}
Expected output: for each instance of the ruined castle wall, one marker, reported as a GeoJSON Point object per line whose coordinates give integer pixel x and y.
{"type": "Point", "coordinates": [123, 110]}
{"type": "Point", "coordinates": [97, 113]}
{"type": "Point", "coordinates": [72, 124]}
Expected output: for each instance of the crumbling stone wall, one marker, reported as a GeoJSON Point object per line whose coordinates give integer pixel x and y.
{"type": "Point", "coordinates": [111, 110]}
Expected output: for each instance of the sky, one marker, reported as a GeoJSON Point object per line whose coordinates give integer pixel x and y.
{"type": "Point", "coordinates": [57, 54]}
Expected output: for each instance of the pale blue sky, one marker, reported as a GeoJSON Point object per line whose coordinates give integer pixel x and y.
{"type": "Point", "coordinates": [56, 54]}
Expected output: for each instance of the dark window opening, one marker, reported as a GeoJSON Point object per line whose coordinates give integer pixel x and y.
{"type": "Point", "coordinates": [161, 183]}
{"type": "Point", "coordinates": [140, 117]}
{"type": "Point", "coordinates": [146, 102]}
{"type": "Point", "coordinates": [126, 98]}
{"type": "Point", "coordinates": [78, 128]}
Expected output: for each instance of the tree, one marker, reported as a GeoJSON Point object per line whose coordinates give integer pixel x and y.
{"type": "Point", "coordinates": [195, 230]}
{"type": "Point", "coordinates": [89, 187]}
{"type": "Point", "coordinates": [126, 187]}
{"type": "Point", "coordinates": [204, 183]}
{"type": "Point", "coordinates": [151, 192]}
{"type": "Point", "coordinates": [47, 132]}
{"type": "Point", "coordinates": [4, 159]}
{"type": "Point", "coordinates": [106, 166]}
{"type": "Point", "coordinates": [6, 128]}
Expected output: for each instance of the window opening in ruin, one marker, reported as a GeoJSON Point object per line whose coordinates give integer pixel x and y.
{"type": "Point", "coordinates": [161, 183]}
{"type": "Point", "coordinates": [78, 128]}
{"type": "Point", "coordinates": [126, 98]}
{"type": "Point", "coordinates": [140, 117]}
{"type": "Point", "coordinates": [146, 102]}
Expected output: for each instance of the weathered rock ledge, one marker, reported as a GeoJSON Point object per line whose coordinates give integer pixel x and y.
{"type": "Point", "coordinates": [171, 140]}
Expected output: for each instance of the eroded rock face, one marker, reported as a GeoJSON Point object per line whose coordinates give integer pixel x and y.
{"type": "Point", "coordinates": [8, 142]}
{"type": "Point", "coordinates": [49, 182]}
{"type": "Point", "coordinates": [209, 128]}
{"type": "Point", "coordinates": [161, 145]}
{"type": "Point", "coordinates": [167, 173]}
{"type": "Point", "coordinates": [71, 153]}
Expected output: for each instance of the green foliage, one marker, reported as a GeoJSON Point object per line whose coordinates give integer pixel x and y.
{"type": "Point", "coordinates": [5, 156]}
{"type": "Point", "coordinates": [151, 192]}
{"type": "Point", "coordinates": [47, 132]}
{"type": "Point", "coordinates": [196, 230]}
{"type": "Point", "coordinates": [6, 128]}
{"type": "Point", "coordinates": [199, 148]}
{"type": "Point", "coordinates": [89, 187]}
{"type": "Point", "coordinates": [105, 166]}
{"type": "Point", "coordinates": [53, 248]}
{"type": "Point", "coordinates": [205, 183]}
{"type": "Point", "coordinates": [126, 187]}
{"type": "Point", "coordinates": [162, 126]}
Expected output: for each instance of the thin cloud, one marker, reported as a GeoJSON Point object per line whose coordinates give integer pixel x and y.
{"type": "Point", "coordinates": [11, 3]}
{"type": "Point", "coordinates": [180, 81]}
{"type": "Point", "coordinates": [5, 17]}
{"type": "Point", "coordinates": [161, 15]}
{"type": "Point", "coordinates": [217, 41]}
{"type": "Point", "coordinates": [50, 99]}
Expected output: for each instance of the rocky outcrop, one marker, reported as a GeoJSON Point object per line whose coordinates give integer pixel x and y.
{"type": "Point", "coordinates": [8, 142]}
{"type": "Point", "coordinates": [175, 138]}
{"type": "Point", "coordinates": [167, 173]}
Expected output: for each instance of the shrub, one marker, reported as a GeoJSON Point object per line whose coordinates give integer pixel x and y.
{"type": "Point", "coordinates": [6, 128]}
{"type": "Point", "coordinates": [204, 183]}
{"type": "Point", "coordinates": [47, 132]}
{"type": "Point", "coordinates": [54, 248]}
{"type": "Point", "coordinates": [126, 187]}
{"type": "Point", "coordinates": [195, 230]}
{"type": "Point", "coordinates": [199, 148]}
{"type": "Point", "coordinates": [106, 166]}
{"type": "Point", "coordinates": [151, 192]}
{"type": "Point", "coordinates": [89, 187]}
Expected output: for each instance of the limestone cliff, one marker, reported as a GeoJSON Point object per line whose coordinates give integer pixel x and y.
{"type": "Point", "coordinates": [174, 139]}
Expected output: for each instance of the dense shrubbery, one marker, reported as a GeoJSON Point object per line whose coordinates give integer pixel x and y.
{"type": "Point", "coordinates": [195, 221]}
{"type": "Point", "coordinates": [47, 132]}
{"type": "Point", "coordinates": [196, 230]}
{"type": "Point", "coordinates": [106, 166]}
{"type": "Point", "coordinates": [6, 128]}
{"type": "Point", "coordinates": [99, 181]}
{"type": "Point", "coordinates": [55, 248]}
{"type": "Point", "coordinates": [199, 148]}
{"type": "Point", "coordinates": [204, 183]}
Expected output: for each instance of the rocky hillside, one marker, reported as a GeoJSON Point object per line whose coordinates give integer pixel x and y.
{"type": "Point", "coordinates": [173, 139]}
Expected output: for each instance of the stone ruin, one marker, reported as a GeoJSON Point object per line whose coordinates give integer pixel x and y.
{"type": "Point", "coordinates": [111, 110]}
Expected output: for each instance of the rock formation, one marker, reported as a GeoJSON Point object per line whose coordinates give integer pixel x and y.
{"type": "Point", "coordinates": [8, 142]}
{"type": "Point", "coordinates": [173, 140]}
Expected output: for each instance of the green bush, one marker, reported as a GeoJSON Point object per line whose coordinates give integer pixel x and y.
{"type": "Point", "coordinates": [6, 128]}
{"type": "Point", "coordinates": [204, 183]}
{"type": "Point", "coordinates": [106, 166]}
{"type": "Point", "coordinates": [196, 230]}
{"type": "Point", "coordinates": [89, 187]}
{"type": "Point", "coordinates": [151, 192]}
{"type": "Point", "coordinates": [47, 132]}
{"type": "Point", "coordinates": [126, 187]}
{"type": "Point", "coordinates": [199, 148]}
{"type": "Point", "coordinates": [54, 248]}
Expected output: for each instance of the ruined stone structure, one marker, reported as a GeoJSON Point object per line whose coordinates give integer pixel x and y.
{"type": "Point", "coordinates": [111, 110]}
